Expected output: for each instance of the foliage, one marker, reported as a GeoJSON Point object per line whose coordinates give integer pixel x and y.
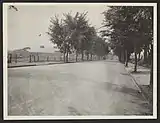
{"type": "Point", "coordinates": [130, 29]}
{"type": "Point", "coordinates": [74, 33]}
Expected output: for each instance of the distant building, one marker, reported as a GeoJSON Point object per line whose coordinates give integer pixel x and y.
{"type": "Point", "coordinates": [20, 53]}
{"type": "Point", "coordinates": [44, 54]}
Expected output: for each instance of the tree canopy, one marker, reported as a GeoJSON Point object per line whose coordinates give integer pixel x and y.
{"type": "Point", "coordinates": [130, 29]}
{"type": "Point", "coordinates": [75, 34]}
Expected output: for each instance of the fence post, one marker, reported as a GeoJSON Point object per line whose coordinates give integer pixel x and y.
{"type": "Point", "coordinates": [30, 60]}
{"type": "Point", "coordinates": [16, 58]}
{"type": "Point", "coordinates": [34, 58]}
{"type": "Point", "coordinates": [38, 58]}
{"type": "Point", "coordinates": [10, 58]}
{"type": "Point", "coordinates": [47, 58]}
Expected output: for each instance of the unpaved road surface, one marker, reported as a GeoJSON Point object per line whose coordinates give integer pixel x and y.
{"type": "Point", "coordinates": [89, 88]}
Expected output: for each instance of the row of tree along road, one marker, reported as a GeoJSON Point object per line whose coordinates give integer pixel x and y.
{"type": "Point", "coordinates": [129, 30]}
{"type": "Point", "coordinates": [74, 34]}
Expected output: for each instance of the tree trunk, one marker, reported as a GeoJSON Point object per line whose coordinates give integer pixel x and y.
{"type": "Point", "coordinates": [126, 58]}
{"type": "Point", "coordinates": [98, 57]}
{"type": "Point", "coordinates": [151, 71]}
{"type": "Point", "coordinates": [82, 55]}
{"type": "Point", "coordinates": [64, 55]}
{"type": "Point", "coordinates": [87, 56]}
{"type": "Point", "coordinates": [124, 54]}
{"type": "Point", "coordinates": [145, 54]}
{"type": "Point", "coordinates": [91, 56]}
{"type": "Point", "coordinates": [151, 75]}
{"type": "Point", "coordinates": [135, 64]}
{"type": "Point", "coordinates": [67, 56]}
{"type": "Point", "coordinates": [120, 56]}
{"type": "Point", "coordinates": [76, 55]}
{"type": "Point", "coordinates": [139, 56]}
{"type": "Point", "coordinates": [149, 58]}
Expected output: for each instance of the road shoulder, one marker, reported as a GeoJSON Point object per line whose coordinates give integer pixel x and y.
{"type": "Point", "coordinates": [141, 79]}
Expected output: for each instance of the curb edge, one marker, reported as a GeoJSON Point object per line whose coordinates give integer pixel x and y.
{"type": "Point", "coordinates": [137, 85]}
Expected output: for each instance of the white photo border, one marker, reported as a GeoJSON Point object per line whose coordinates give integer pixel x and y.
{"type": "Point", "coordinates": [5, 72]}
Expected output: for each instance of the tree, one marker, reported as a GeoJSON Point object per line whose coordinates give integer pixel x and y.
{"type": "Point", "coordinates": [100, 47]}
{"type": "Point", "coordinates": [75, 34]}
{"type": "Point", "coordinates": [58, 33]}
{"type": "Point", "coordinates": [90, 35]}
{"type": "Point", "coordinates": [126, 27]}
{"type": "Point", "coordinates": [69, 34]}
{"type": "Point", "coordinates": [82, 33]}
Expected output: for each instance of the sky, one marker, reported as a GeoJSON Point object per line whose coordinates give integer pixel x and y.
{"type": "Point", "coordinates": [25, 25]}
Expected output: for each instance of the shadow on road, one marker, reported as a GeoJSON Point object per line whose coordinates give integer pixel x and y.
{"type": "Point", "coordinates": [112, 61]}
{"type": "Point", "coordinates": [141, 72]}
{"type": "Point", "coordinates": [108, 86]}
{"type": "Point", "coordinates": [123, 89]}
{"type": "Point", "coordinates": [137, 97]}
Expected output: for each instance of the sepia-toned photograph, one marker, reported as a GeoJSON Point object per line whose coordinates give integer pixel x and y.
{"type": "Point", "coordinates": [80, 60]}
